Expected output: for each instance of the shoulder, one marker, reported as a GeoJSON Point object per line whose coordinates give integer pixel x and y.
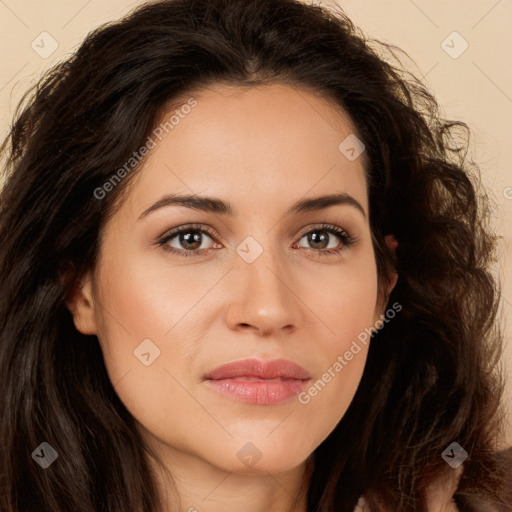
{"type": "Point", "coordinates": [439, 496]}
{"type": "Point", "coordinates": [361, 506]}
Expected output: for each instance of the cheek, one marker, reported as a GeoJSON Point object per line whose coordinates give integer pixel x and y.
{"type": "Point", "coordinates": [324, 402]}
{"type": "Point", "coordinates": [149, 316]}
{"type": "Point", "coordinates": [144, 299]}
{"type": "Point", "coordinates": [347, 313]}
{"type": "Point", "coordinates": [344, 300]}
{"type": "Point", "coordinates": [140, 317]}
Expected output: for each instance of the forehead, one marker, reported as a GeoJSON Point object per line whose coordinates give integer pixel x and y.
{"type": "Point", "coordinates": [272, 143]}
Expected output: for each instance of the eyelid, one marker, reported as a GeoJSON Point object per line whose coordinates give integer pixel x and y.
{"type": "Point", "coordinates": [345, 236]}
{"type": "Point", "coordinates": [171, 233]}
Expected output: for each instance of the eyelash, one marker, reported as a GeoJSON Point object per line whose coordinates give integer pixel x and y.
{"type": "Point", "coordinates": [347, 240]}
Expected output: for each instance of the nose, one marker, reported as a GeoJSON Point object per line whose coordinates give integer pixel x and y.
{"type": "Point", "coordinates": [264, 298]}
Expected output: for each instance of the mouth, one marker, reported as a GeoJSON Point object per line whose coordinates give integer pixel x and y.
{"type": "Point", "coordinates": [258, 382]}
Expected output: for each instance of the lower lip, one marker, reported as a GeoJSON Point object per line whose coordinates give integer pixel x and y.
{"type": "Point", "coordinates": [258, 392]}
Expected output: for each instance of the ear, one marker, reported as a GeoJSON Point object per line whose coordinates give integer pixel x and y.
{"type": "Point", "coordinates": [383, 296]}
{"type": "Point", "coordinates": [81, 305]}
{"type": "Point", "coordinates": [392, 243]}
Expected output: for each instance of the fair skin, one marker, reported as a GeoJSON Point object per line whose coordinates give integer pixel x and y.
{"type": "Point", "coordinates": [261, 150]}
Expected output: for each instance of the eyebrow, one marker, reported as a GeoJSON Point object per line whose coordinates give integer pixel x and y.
{"type": "Point", "coordinates": [218, 206]}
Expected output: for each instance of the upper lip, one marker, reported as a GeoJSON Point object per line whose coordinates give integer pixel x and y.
{"type": "Point", "coordinates": [277, 368]}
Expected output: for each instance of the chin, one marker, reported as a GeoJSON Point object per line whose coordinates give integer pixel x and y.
{"type": "Point", "coordinates": [260, 456]}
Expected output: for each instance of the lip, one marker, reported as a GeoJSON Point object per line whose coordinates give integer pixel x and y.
{"type": "Point", "coordinates": [258, 382]}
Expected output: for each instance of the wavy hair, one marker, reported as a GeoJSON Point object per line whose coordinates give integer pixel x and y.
{"type": "Point", "coordinates": [432, 375]}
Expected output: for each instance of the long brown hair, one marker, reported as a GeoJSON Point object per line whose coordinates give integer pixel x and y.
{"type": "Point", "coordinates": [431, 376]}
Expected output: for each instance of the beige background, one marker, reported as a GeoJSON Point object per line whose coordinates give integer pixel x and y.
{"type": "Point", "coordinates": [475, 86]}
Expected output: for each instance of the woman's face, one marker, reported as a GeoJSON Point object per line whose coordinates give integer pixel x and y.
{"type": "Point", "coordinates": [252, 276]}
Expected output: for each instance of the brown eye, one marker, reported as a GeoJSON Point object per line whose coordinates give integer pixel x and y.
{"type": "Point", "coordinates": [319, 239]}
{"type": "Point", "coordinates": [191, 240]}
{"type": "Point", "coordinates": [327, 239]}
{"type": "Point", "coordinates": [187, 241]}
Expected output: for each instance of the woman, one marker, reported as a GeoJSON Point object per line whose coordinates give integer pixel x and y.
{"type": "Point", "coordinates": [244, 268]}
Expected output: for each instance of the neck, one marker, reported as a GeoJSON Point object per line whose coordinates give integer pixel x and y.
{"type": "Point", "coordinates": [198, 486]}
